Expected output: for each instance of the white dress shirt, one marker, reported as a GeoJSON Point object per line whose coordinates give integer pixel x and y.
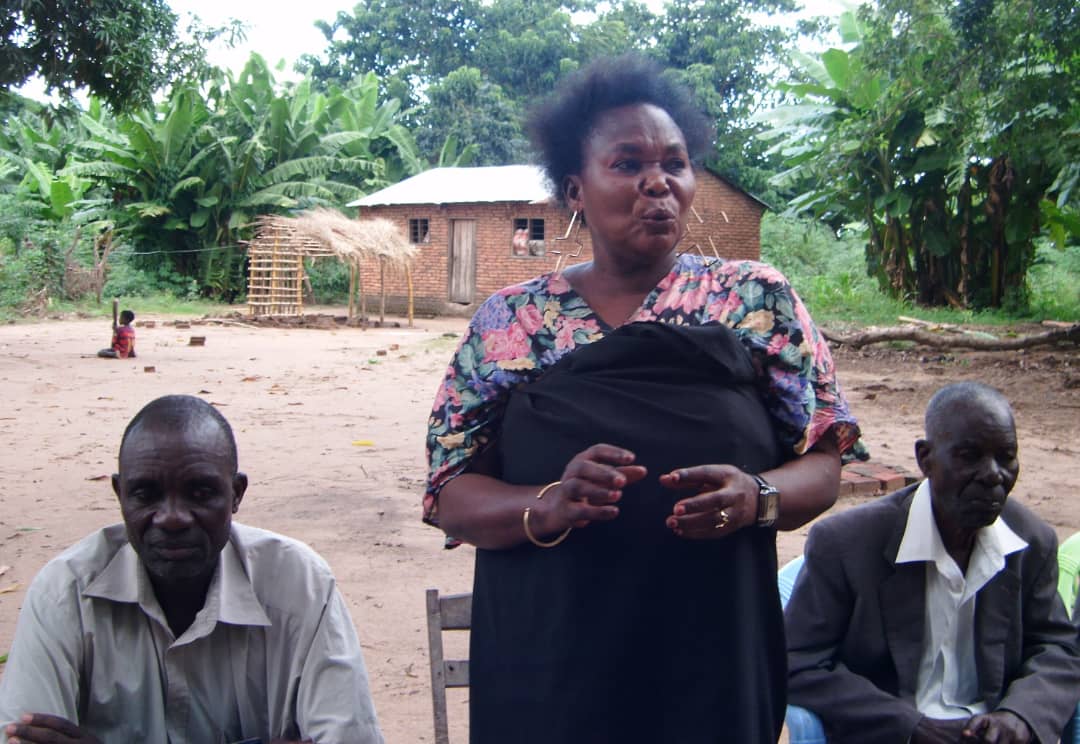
{"type": "Point", "coordinates": [948, 685]}
{"type": "Point", "coordinates": [272, 653]}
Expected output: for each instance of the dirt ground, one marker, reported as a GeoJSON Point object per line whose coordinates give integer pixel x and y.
{"type": "Point", "coordinates": [331, 435]}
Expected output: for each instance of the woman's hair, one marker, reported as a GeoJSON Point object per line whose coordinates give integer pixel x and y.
{"type": "Point", "coordinates": [559, 125]}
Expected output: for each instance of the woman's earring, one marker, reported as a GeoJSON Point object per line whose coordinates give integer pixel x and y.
{"type": "Point", "coordinates": [687, 231]}
{"type": "Point", "coordinates": [696, 245]}
{"type": "Point", "coordinates": [574, 222]}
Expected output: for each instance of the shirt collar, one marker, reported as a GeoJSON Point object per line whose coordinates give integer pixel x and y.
{"type": "Point", "coordinates": [230, 594]}
{"type": "Point", "coordinates": [922, 540]}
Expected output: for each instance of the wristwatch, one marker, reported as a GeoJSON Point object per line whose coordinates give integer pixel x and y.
{"type": "Point", "coordinates": [768, 502]}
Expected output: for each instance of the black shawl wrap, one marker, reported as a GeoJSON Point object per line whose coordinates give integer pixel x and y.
{"type": "Point", "coordinates": [626, 633]}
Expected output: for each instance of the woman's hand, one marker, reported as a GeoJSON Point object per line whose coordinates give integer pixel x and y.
{"type": "Point", "coordinates": [590, 490]}
{"type": "Point", "coordinates": [726, 500]}
{"type": "Point", "coordinates": [479, 508]}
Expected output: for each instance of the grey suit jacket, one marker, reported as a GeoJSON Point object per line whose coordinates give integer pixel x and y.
{"type": "Point", "coordinates": [855, 628]}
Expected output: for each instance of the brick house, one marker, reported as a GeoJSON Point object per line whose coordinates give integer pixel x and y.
{"type": "Point", "coordinates": [481, 229]}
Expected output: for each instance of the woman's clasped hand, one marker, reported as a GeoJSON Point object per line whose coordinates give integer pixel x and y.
{"type": "Point", "coordinates": [591, 487]}
{"type": "Point", "coordinates": [724, 498]}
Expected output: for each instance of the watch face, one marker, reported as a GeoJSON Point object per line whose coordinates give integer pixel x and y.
{"type": "Point", "coordinates": [772, 502]}
{"type": "Point", "coordinates": [768, 502]}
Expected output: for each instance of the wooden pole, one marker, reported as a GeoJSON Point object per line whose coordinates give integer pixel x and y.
{"type": "Point", "coordinates": [274, 280]}
{"type": "Point", "coordinates": [408, 283]}
{"type": "Point", "coordinates": [115, 312]}
{"type": "Point", "coordinates": [363, 295]}
{"type": "Point", "coordinates": [299, 284]}
{"type": "Point", "coordinates": [352, 288]}
{"type": "Point", "coordinates": [382, 292]}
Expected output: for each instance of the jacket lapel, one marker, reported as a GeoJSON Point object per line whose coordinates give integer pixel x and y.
{"type": "Point", "coordinates": [993, 624]}
{"type": "Point", "coordinates": [902, 598]}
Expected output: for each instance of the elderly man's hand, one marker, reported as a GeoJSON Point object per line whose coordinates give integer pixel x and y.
{"type": "Point", "coordinates": [40, 728]}
{"type": "Point", "coordinates": [939, 731]}
{"type": "Point", "coordinates": [999, 727]}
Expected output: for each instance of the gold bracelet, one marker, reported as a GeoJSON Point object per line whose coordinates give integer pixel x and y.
{"type": "Point", "coordinates": [525, 522]}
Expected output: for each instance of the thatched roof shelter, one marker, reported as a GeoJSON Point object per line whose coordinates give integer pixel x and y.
{"type": "Point", "coordinates": [276, 257]}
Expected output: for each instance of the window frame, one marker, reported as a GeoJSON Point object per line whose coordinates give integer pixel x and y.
{"type": "Point", "coordinates": [535, 247]}
{"type": "Point", "coordinates": [416, 224]}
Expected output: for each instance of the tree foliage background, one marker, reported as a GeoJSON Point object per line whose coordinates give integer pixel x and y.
{"type": "Point", "coordinates": [121, 51]}
{"type": "Point", "coordinates": [948, 131]}
{"type": "Point", "coordinates": [491, 60]}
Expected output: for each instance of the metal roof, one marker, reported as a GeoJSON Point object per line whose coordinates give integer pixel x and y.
{"type": "Point", "coordinates": [503, 183]}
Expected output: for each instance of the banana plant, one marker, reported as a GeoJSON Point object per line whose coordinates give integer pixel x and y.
{"type": "Point", "coordinates": [942, 137]}
{"type": "Point", "coordinates": [189, 176]}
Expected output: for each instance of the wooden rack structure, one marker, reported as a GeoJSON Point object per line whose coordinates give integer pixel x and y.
{"type": "Point", "coordinates": [276, 258]}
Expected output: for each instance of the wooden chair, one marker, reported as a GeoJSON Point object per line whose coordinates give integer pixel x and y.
{"type": "Point", "coordinates": [451, 612]}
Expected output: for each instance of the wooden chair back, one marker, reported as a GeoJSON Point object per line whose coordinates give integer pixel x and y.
{"type": "Point", "coordinates": [450, 612]}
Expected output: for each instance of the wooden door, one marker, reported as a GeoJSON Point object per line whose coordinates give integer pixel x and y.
{"type": "Point", "coordinates": [462, 269]}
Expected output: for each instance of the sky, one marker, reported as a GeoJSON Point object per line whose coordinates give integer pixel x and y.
{"type": "Point", "coordinates": [276, 31]}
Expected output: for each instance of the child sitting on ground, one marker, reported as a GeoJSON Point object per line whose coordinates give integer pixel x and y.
{"type": "Point", "coordinates": [123, 340]}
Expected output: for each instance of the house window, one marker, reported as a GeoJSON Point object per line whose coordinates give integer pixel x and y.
{"type": "Point", "coordinates": [418, 230]}
{"type": "Point", "coordinates": [528, 237]}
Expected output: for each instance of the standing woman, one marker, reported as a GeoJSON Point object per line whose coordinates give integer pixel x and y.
{"type": "Point", "coordinates": [621, 440]}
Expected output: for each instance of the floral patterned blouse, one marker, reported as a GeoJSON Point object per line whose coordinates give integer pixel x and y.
{"type": "Point", "coordinates": [522, 330]}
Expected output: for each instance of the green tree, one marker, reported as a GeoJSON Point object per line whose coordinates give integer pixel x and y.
{"type": "Point", "coordinates": [727, 59]}
{"type": "Point", "coordinates": [115, 48]}
{"type": "Point", "coordinates": [38, 198]}
{"type": "Point", "coordinates": [420, 49]}
{"type": "Point", "coordinates": [121, 51]}
{"type": "Point", "coordinates": [406, 45]}
{"type": "Point", "coordinates": [473, 111]}
{"type": "Point", "coordinates": [943, 130]}
{"type": "Point", "coordinates": [524, 47]}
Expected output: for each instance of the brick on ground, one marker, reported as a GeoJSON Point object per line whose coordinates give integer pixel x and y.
{"type": "Point", "coordinates": [889, 479]}
{"type": "Point", "coordinates": [866, 478]}
{"type": "Point", "coordinates": [861, 485]}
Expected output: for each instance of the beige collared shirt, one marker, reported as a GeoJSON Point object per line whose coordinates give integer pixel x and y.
{"type": "Point", "coordinates": [948, 682]}
{"type": "Point", "coordinates": [272, 653]}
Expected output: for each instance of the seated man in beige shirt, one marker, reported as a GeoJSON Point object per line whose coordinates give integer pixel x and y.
{"type": "Point", "coordinates": [180, 625]}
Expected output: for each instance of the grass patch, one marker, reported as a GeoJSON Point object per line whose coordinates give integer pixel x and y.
{"type": "Point", "coordinates": [829, 273]}
{"type": "Point", "coordinates": [156, 304]}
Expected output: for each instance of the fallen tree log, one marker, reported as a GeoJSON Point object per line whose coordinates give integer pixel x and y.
{"type": "Point", "coordinates": [951, 328]}
{"type": "Point", "coordinates": [953, 341]}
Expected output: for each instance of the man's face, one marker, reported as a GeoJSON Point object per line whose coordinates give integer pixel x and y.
{"type": "Point", "coordinates": [178, 489]}
{"type": "Point", "coordinates": [971, 463]}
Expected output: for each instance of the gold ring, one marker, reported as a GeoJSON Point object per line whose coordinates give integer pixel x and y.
{"type": "Point", "coordinates": [722, 519]}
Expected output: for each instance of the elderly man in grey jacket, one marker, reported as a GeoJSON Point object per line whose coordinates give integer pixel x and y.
{"type": "Point", "coordinates": [931, 615]}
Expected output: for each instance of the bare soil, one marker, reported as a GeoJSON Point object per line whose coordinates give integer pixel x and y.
{"type": "Point", "coordinates": [331, 435]}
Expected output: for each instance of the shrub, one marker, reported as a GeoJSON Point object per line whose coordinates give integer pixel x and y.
{"type": "Point", "coordinates": [329, 280]}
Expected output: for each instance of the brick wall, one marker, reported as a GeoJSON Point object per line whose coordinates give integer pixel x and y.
{"type": "Point", "coordinates": [731, 219]}
{"type": "Point", "coordinates": [737, 236]}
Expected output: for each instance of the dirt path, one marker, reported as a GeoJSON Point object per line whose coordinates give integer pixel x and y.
{"type": "Point", "coordinates": [303, 402]}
